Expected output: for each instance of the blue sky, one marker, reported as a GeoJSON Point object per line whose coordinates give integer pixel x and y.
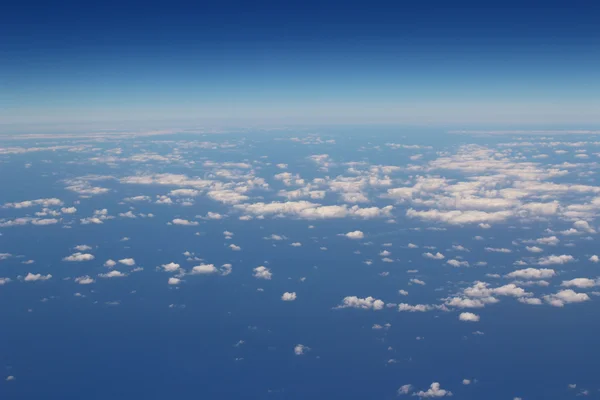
{"type": "Point", "coordinates": [305, 62]}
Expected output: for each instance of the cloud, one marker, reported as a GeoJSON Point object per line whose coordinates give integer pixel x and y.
{"type": "Point", "coordinates": [68, 210]}
{"type": "Point", "coordinates": [36, 277]}
{"type": "Point", "coordinates": [112, 274]}
{"type": "Point", "coordinates": [456, 263]}
{"type": "Point", "coordinates": [184, 222]}
{"type": "Point", "coordinates": [594, 259]}
{"type": "Point", "coordinates": [308, 210]}
{"type": "Point", "coordinates": [458, 217]}
{"type": "Point", "coordinates": [289, 296]}
{"type": "Point", "coordinates": [534, 249]}
{"type": "Point", "coordinates": [564, 297]}
{"type": "Point", "coordinates": [130, 262]}
{"type": "Point", "coordinates": [498, 250]}
{"type": "Point", "coordinates": [532, 273]}
{"type": "Point", "coordinates": [110, 263]}
{"type": "Point", "coordinates": [368, 303]}
{"type": "Point", "coordinates": [79, 257]}
{"type": "Point", "coordinates": [434, 391]}
{"type": "Point", "coordinates": [404, 389]}
{"type": "Point", "coordinates": [235, 247]}
{"type": "Point", "coordinates": [436, 256]}
{"type": "Point", "coordinates": [468, 317]}
{"type": "Point", "coordinates": [84, 280]}
{"type": "Point", "coordinates": [355, 235]}
{"type": "Point", "coordinates": [171, 267]}
{"type": "Point", "coordinates": [50, 202]}
{"type": "Point", "coordinates": [581, 283]}
{"type": "Point", "coordinates": [553, 259]}
{"type": "Point", "coordinates": [262, 272]}
{"type": "Point", "coordinates": [301, 349]}
{"type": "Point", "coordinates": [415, 308]}
{"type": "Point", "coordinates": [82, 247]}
{"type": "Point", "coordinates": [174, 281]}
{"type": "Point", "coordinates": [204, 269]}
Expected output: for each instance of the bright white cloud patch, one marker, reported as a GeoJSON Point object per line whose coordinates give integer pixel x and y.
{"type": "Point", "coordinates": [368, 303]}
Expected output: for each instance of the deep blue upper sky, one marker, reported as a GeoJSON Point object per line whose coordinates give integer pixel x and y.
{"type": "Point", "coordinates": [434, 62]}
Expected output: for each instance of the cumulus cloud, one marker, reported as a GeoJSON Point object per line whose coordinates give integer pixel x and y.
{"type": "Point", "coordinates": [113, 274]}
{"type": "Point", "coordinates": [532, 273]}
{"type": "Point", "coordinates": [416, 307]}
{"type": "Point", "coordinates": [31, 203]}
{"type": "Point", "coordinates": [436, 256]}
{"type": "Point", "coordinates": [355, 235]}
{"type": "Point", "coordinates": [308, 210]}
{"type": "Point", "coordinates": [566, 296]}
{"type": "Point", "coordinates": [85, 280]}
{"type": "Point", "coordinates": [262, 272]}
{"type": "Point", "coordinates": [110, 263]}
{"type": "Point", "coordinates": [289, 296]}
{"type": "Point", "coordinates": [581, 283]}
{"type": "Point", "coordinates": [368, 303]}
{"type": "Point", "coordinates": [130, 262]}
{"type": "Point", "coordinates": [434, 391]}
{"type": "Point", "coordinates": [554, 259]}
{"type": "Point", "coordinates": [468, 317]}
{"type": "Point", "coordinates": [184, 222]}
{"type": "Point", "coordinates": [79, 257]}
{"type": "Point", "coordinates": [36, 277]}
{"type": "Point", "coordinates": [174, 281]}
{"type": "Point", "coordinates": [301, 349]}
{"type": "Point", "coordinates": [204, 269]}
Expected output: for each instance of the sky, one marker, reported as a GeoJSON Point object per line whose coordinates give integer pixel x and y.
{"type": "Point", "coordinates": [120, 64]}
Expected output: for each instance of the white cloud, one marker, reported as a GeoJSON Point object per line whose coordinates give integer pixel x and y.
{"type": "Point", "coordinates": [130, 262]}
{"type": "Point", "coordinates": [404, 389]}
{"type": "Point", "coordinates": [468, 317]}
{"type": "Point", "coordinates": [36, 277]}
{"type": "Point", "coordinates": [82, 247]}
{"type": "Point", "coordinates": [498, 250]}
{"type": "Point", "coordinates": [594, 259]}
{"type": "Point", "coordinates": [110, 263]}
{"type": "Point", "coordinates": [368, 303]}
{"type": "Point", "coordinates": [289, 296]}
{"type": "Point", "coordinates": [434, 391]}
{"type": "Point", "coordinates": [171, 267]}
{"type": "Point", "coordinates": [534, 249]}
{"type": "Point", "coordinates": [301, 349]}
{"type": "Point", "coordinates": [436, 256]}
{"type": "Point", "coordinates": [564, 297]}
{"type": "Point", "coordinates": [308, 210]}
{"type": "Point", "coordinates": [580, 283]}
{"type": "Point", "coordinates": [113, 274]}
{"type": "Point", "coordinates": [174, 281]}
{"type": "Point", "coordinates": [184, 222]}
{"type": "Point", "coordinates": [415, 308]}
{"type": "Point", "coordinates": [262, 272]}
{"type": "Point", "coordinates": [84, 280]}
{"type": "Point", "coordinates": [78, 257]}
{"type": "Point", "coordinates": [68, 210]}
{"type": "Point", "coordinates": [355, 235]}
{"type": "Point", "coordinates": [50, 202]}
{"type": "Point", "coordinates": [456, 263]}
{"type": "Point", "coordinates": [553, 259]}
{"type": "Point", "coordinates": [532, 273]}
{"type": "Point", "coordinates": [235, 247]}
{"type": "Point", "coordinates": [204, 269]}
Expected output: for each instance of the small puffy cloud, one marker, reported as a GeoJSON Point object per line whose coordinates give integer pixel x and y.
{"type": "Point", "coordinates": [456, 263]}
{"type": "Point", "coordinates": [551, 241]}
{"type": "Point", "coordinates": [4, 281]}
{"type": "Point", "coordinates": [580, 283]}
{"type": "Point", "coordinates": [436, 256]}
{"type": "Point", "coordinates": [171, 267]}
{"type": "Point", "coordinates": [498, 250]}
{"type": "Point", "coordinates": [184, 222]}
{"type": "Point", "coordinates": [301, 349]}
{"type": "Point", "coordinates": [415, 308]}
{"type": "Point", "coordinates": [564, 297]}
{"type": "Point", "coordinates": [404, 389]}
{"type": "Point", "coordinates": [113, 274]}
{"type": "Point", "coordinates": [68, 210]}
{"type": "Point", "coordinates": [204, 269]}
{"type": "Point", "coordinates": [84, 280]}
{"type": "Point", "coordinates": [235, 247]}
{"type": "Point", "coordinates": [466, 381]}
{"type": "Point", "coordinates": [417, 281]}
{"type": "Point", "coordinates": [296, 244]}
{"type": "Point", "coordinates": [534, 249]}
{"type": "Point", "coordinates": [434, 391]}
{"type": "Point", "coordinates": [289, 296]}
{"type": "Point", "coordinates": [36, 277]}
{"type": "Point", "coordinates": [174, 281]}
{"type": "Point", "coordinates": [82, 247]}
{"type": "Point", "coordinates": [130, 262]}
{"type": "Point", "coordinates": [110, 263]}
{"type": "Point", "coordinates": [355, 235]}
{"type": "Point", "coordinates": [553, 259]}
{"type": "Point", "coordinates": [594, 259]}
{"type": "Point", "coordinates": [532, 273]}
{"type": "Point", "coordinates": [31, 203]}
{"type": "Point", "coordinates": [468, 317]}
{"type": "Point", "coordinates": [79, 257]}
{"type": "Point", "coordinates": [368, 303]}
{"type": "Point", "coordinates": [262, 272]}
